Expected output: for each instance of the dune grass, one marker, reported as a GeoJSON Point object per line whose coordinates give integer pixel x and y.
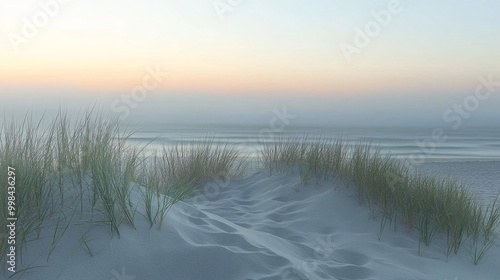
{"type": "Point", "coordinates": [195, 164]}
{"type": "Point", "coordinates": [313, 158]}
{"type": "Point", "coordinates": [70, 168]}
{"type": "Point", "coordinates": [160, 192]}
{"type": "Point", "coordinates": [431, 205]}
{"type": "Point", "coordinates": [27, 148]}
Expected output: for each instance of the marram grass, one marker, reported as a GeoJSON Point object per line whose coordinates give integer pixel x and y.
{"type": "Point", "coordinates": [431, 205]}
{"type": "Point", "coordinates": [201, 162]}
{"type": "Point", "coordinates": [63, 167]}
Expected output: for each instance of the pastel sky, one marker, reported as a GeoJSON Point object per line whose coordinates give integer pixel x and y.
{"type": "Point", "coordinates": [249, 47]}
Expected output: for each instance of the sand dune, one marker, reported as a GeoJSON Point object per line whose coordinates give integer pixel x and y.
{"type": "Point", "coordinates": [259, 227]}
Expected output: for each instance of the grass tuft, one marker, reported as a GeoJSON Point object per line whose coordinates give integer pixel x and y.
{"type": "Point", "coordinates": [196, 164]}
{"type": "Point", "coordinates": [89, 161]}
{"type": "Point", "coordinates": [432, 205]}
{"type": "Point", "coordinates": [93, 155]}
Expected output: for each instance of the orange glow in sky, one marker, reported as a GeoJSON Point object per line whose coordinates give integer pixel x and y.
{"type": "Point", "coordinates": [258, 48]}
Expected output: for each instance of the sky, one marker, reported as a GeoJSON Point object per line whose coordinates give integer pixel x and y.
{"type": "Point", "coordinates": [360, 62]}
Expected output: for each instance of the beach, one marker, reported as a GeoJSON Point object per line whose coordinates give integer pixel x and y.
{"type": "Point", "coordinates": [242, 140]}
{"type": "Point", "coordinates": [269, 223]}
{"type": "Point", "coordinates": [259, 227]}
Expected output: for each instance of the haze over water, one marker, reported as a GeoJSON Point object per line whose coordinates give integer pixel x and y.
{"type": "Point", "coordinates": [471, 155]}
{"type": "Point", "coordinates": [391, 72]}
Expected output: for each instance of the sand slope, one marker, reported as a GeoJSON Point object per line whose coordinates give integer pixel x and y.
{"type": "Point", "coordinates": [260, 227]}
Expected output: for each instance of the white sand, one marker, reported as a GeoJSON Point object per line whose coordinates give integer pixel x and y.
{"type": "Point", "coordinates": [260, 227]}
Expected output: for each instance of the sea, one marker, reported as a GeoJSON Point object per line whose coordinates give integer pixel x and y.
{"type": "Point", "coordinates": [470, 155]}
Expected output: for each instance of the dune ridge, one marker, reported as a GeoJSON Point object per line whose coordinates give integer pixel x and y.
{"type": "Point", "coordinates": [259, 227]}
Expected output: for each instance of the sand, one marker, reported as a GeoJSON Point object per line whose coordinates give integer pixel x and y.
{"type": "Point", "coordinates": [259, 227]}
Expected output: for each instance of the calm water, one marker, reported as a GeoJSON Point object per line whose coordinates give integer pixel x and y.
{"type": "Point", "coordinates": [471, 155]}
{"type": "Point", "coordinates": [466, 144]}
